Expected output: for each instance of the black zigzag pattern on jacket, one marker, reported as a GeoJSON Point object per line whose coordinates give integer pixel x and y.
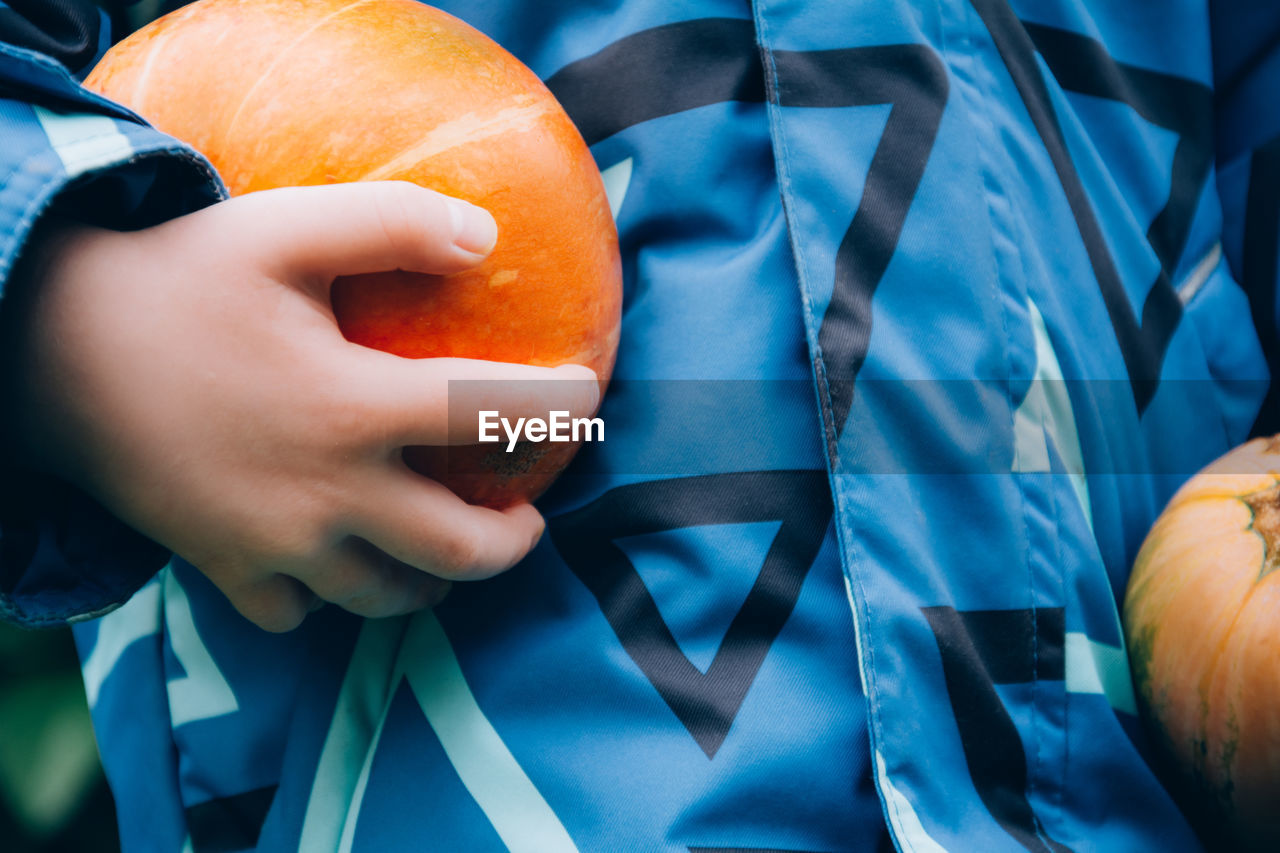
{"type": "Point", "coordinates": [1081, 64]}
{"type": "Point", "coordinates": [682, 66]}
{"type": "Point", "coordinates": [980, 649]}
{"type": "Point", "coordinates": [706, 703]}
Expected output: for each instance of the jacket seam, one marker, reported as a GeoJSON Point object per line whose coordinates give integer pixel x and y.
{"type": "Point", "coordinates": [979, 112]}
{"type": "Point", "coordinates": [829, 429]}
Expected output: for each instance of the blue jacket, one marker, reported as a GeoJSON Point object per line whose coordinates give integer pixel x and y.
{"type": "Point", "coordinates": [929, 308]}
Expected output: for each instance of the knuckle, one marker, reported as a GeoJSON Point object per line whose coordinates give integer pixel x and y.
{"type": "Point", "coordinates": [370, 607]}
{"type": "Point", "coordinates": [344, 408]}
{"type": "Point", "coordinates": [396, 588]}
{"type": "Point", "coordinates": [272, 607]}
{"type": "Point", "coordinates": [283, 621]}
{"type": "Point", "coordinates": [380, 604]}
{"type": "Point", "coordinates": [399, 211]}
{"type": "Point", "coordinates": [461, 555]}
{"type": "Point", "coordinates": [356, 571]}
{"type": "Point", "coordinates": [370, 425]}
{"type": "Point", "coordinates": [341, 584]}
{"type": "Point", "coordinates": [299, 536]}
{"type": "Point", "coordinates": [286, 544]}
{"type": "Point", "coordinates": [351, 581]}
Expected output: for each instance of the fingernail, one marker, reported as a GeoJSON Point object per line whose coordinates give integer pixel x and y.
{"type": "Point", "coordinates": [473, 228]}
{"type": "Point", "coordinates": [580, 373]}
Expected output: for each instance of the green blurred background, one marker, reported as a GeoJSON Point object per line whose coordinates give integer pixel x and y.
{"type": "Point", "coordinates": [53, 796]}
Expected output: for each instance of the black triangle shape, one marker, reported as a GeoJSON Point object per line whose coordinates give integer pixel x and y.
{"type": "Point", "coordinates": [706, 704]}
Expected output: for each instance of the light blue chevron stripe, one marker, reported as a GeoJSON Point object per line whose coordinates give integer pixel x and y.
{"type": "Point", "coordinates": [117, 631]}
{"type": "Point", "coordinates": [1094, 667]}
{"type": "Point", "coordinates": [1046, 415]}
{"type": "Point", "coordinates": [203, 692]}
{"type": "Point", "coordinates": [341, 773]}
{"type": "Point", "coordinates": [617, 179]}
{"type": "Point", "coordinates": [522, 818]}
{"type": "Point", "coordinates": [907, 827]}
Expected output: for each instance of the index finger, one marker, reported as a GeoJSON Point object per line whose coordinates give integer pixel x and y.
{"type": "Point", "coordinates": [439, 401]}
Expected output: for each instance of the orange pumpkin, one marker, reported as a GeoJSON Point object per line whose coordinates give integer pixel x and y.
{"type": "Point", "coordinates": [301, 92]}
{"type": "Point", "coordinates": [1202, 619]}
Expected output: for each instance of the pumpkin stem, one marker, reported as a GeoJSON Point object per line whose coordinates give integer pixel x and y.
{"type": "Point", "coordinates": [1265, 506]}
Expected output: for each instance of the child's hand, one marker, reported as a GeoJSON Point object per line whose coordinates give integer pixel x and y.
{"type": "Point", "coordinates": [192, 378]}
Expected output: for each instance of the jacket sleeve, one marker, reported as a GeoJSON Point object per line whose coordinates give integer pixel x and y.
{"type": "Point", "coordinates": [1246, 59]}
{"type": "Point", "coordinates": [63, 557]}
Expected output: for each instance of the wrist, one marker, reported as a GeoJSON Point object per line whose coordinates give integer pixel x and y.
{"type": "Point", "coordinates": [29, 430]}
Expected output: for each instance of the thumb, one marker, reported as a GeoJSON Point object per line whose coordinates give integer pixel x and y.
{"type": "Point", "coordinates": [328, 231]}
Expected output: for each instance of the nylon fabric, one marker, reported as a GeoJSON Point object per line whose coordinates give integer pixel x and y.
{"type": "Point", "coordinates": [971, 272]}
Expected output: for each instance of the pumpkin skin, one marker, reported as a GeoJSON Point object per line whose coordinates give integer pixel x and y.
{"type": "Point", "coordinates": [303, 92]}
{"type": "Point", "coordinates": [1201, 615]}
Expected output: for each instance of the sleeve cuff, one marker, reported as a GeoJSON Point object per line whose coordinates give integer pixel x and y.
{"type": "Point", "coordinates": [64, 558]}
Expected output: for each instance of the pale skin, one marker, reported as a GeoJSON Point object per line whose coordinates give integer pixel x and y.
{"type": "Point", "coordinates": [192, 378]}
